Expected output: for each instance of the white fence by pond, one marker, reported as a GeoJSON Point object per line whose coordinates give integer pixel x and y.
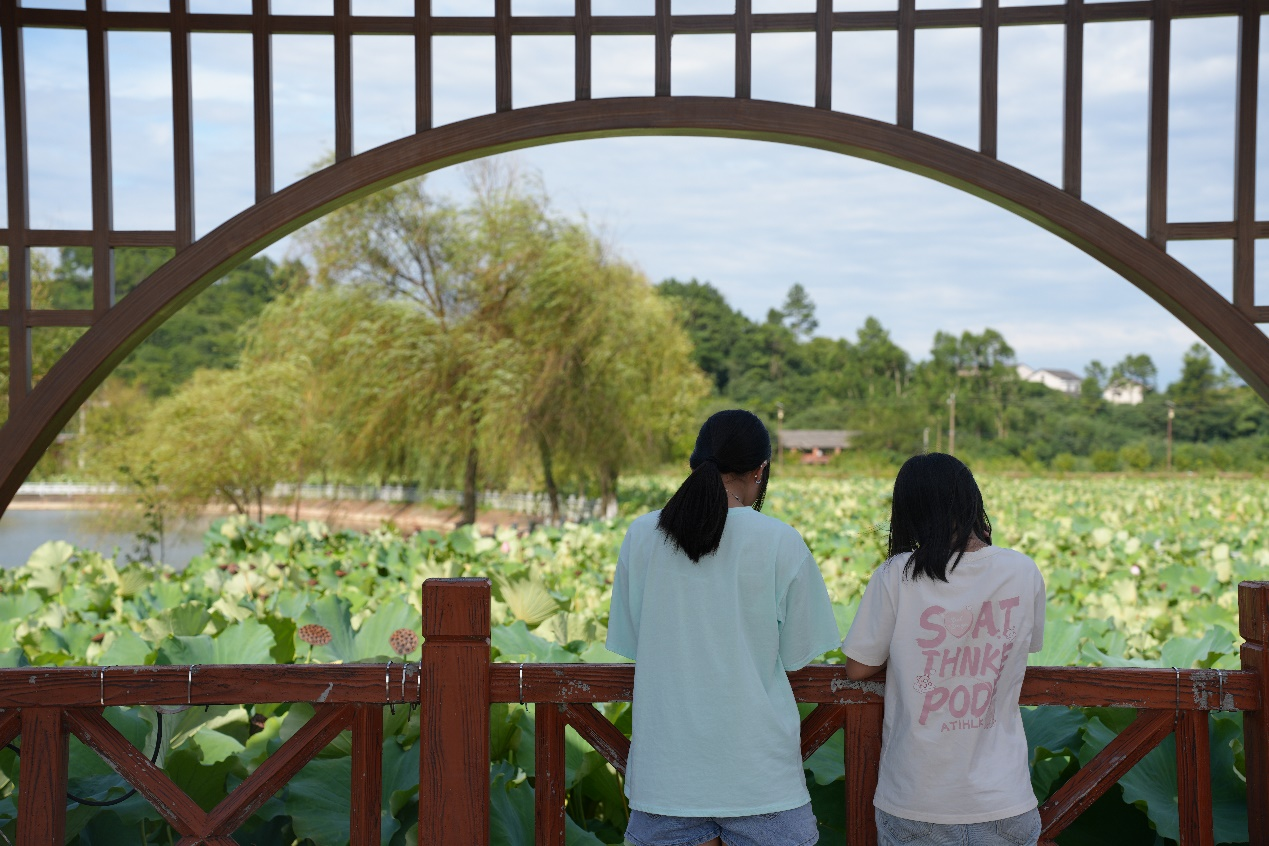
{"type": "Point", "coordinates": [573, 508]}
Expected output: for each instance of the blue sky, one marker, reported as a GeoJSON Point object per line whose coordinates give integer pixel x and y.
{"type": "Point", "coordinates": [751, 218]}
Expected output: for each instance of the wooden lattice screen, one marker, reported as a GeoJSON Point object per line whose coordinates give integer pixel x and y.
{"type": "Point", "coordinates": [37, 413]}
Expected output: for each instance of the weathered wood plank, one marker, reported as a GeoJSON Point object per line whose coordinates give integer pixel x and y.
{"type": "Point", "coordinates": [1157, 156]}
{"type": "Point", "coordinates": [367, 774]}
{"type": "Point", "coordinates": [1245, 156]}
{"type": "Point", "coordinates": [99, 156]}
{"type": "Point", "coordinates": [819, 725]}
{"type": "Point", "coordinates": [862, 747]}
{"type": "Point", "coordinates": [1106, 768]}
{"type": "Point", "coordinates": [422, 65]}
{"type": "Point", "coordinates": [42, 778]}
{"type": "Point", "coordinates": [548, 764]}
{"type": "Point", "coordinates": [454, 744]}
{"type": "Point", "coordinates": [988, 78]}
{"type": "Point", "coordinates": [824, 54]}
{"type": "Point", "coordinates": [262, 86]}
{"type": "Point", "coordinates": [1253, 625]}
{"type": "Point", "coordinates": [582, 73]}
{"type": "Point", "coordinates": [502, 55]}
{"type": "Point", "coordinates": [180, 811]}
{"type": "Point", "coordinates": [663, 35]}
{"type": "Point", "coordinates": [1194, 779]}
{"type": "Point", "coordinates": [343, 81]}
{"type": "Point", "coordinates": [182, 126]}
{"type": "Point", "coordinates": [744, 49]}
{"type": "Point", "coordinates": [601, 734]}
{"type": "Point", "coordinates": [906, 73]}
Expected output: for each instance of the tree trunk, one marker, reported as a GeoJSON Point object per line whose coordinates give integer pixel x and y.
{"type": "Point", "coordinates": [552, 492]}
{"type": "Point", "coordinates": [608, 491]}
{"type": "Point", "coordinates": [469, 488]}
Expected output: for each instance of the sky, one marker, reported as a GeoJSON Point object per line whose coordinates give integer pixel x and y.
{"type": "Point", "coordinates": [751, 218]}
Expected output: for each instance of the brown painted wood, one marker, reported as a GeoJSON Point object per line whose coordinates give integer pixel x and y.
{"type": "Point", "coordinates": [1194, 779]}
{"type": "Point", "coordinates": [60, 317]}
{"type": "Point", "coordinates": [1207, 231]}
{"type": "Point", "coordinates": [42, 778]}
{"type": "Point", "coordinates": [262, 81]}
{"type": "Point", "coordinates": [601, 734]}
{"type": "Point", "coordinates": [277, 770]}
{"type": "Point", "coordinates": [819, 725]}
{"type": "Point", "coordinates": [906, 74]}
{"type": "Point", "coordinates": [861, 746]}
{"type": "Point", "coordinates": [824, 54]}
{"type": "Point", "coordinates": [99, 156]}
{"type": "Point", "coordinates": [10, 726]}
{"type": "Point", "coordinates": [422, 65]}
{"type": "Point", "coordinates": [583, 30]}
{"type": "Point", "coordinates": [1245, 156]}
{"type": "Point", "coordinates": [548, 781]}
{"type": "Point", "coordinates": [502, 55]}
{"type": "Point", "coordinates": [1106, 768]}
{"type": "Point", "coordinates": [343, 81]}
{"type": "Point", "coordinates": [29, 431]}
{"type": "Point", "coordinates": [1073, 98]}
{"type": "Point", "coordinates": [1157, 158]}
{"type": "Point", "coordinates": [663, 34]}
{"type": "Point", "coordinates": [180, 811]}
{"type": "Point", "coordinates": [1253, 625]}
{"type": "Point", "coordinates": [367, 774]}
{"type": "Point", "coordinates": [988, 78]}
{"type": "Point", "coordinates": [142, 238]}
{"type": "Point", "coordinates": [744, 49]}
{"type": "Point", "coordinates": [182, 126]}
{"type": "Point", "coordinates": [18, 219]}
{"type": "Point", "coordinates": [454, 744]}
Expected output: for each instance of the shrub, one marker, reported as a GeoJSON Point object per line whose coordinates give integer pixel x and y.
{"type": "Point", "coordinates": [1105, 461]}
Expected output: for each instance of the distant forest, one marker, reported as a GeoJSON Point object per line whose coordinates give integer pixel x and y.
{"type": "Point", "coordinates": [872, 386]}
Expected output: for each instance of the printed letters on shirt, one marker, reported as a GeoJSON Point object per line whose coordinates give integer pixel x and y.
{"type": "Point", "coordinates": [965, 652]}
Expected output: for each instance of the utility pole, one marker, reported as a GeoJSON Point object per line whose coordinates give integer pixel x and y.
{"type": "Point", "coordinates": [1171, 414]}
{"type": "Point", "coordinates": [780, 433]}
{"type": "Point", "coordinates": [925, 440]}
{"type": "Point", "coordinates": [951, 427]}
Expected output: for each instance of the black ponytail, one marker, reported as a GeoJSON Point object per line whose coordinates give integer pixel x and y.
{"type": "Point", "coordinates": [935, 511]}
{"type": "Point", "coordinates": [732, 441]}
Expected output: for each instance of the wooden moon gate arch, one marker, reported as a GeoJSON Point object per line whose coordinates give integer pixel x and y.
{"type": "Point", "coordinates": [37, 414]}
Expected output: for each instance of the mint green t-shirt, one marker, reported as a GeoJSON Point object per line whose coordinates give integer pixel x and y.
{"type": "Point", "coordinates": [716, 728]}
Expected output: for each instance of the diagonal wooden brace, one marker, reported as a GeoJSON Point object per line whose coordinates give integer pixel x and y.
{"type": "Point", "coordinates": [601, 734]}
{"type": "Point", "coordinates": [820, 725]}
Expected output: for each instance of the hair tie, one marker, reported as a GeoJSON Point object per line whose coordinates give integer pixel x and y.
{"type": "Point", "coordinates": [708, 460]}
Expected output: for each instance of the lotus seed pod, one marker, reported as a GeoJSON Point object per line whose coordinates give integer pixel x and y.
{"type": "Point", "coordinates": [403, 641]}
{"type": "Point", "coordinates": [314, 635]}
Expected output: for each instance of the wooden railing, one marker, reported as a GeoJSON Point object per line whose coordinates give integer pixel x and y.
{"type": "Point", "coordinates": [454, 683]}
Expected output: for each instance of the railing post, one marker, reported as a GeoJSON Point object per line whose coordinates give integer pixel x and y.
{"type": "Point", "coordinates": [862, 743]}
{"type": "Point", "coordinates": [42, 778]}
{"type": "Point", "coordinates": [454, 687]}
{"type": "Point", "coordinates": [1253, 625]}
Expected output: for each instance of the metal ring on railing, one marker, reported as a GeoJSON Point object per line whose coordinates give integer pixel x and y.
{"type": "Point", "coordinates": [102, 693]}
{"type": "Point", "coordinates": [1176, 704]}
{"type": "Point", "coordinates": [387, 690]}
{"type": "Point", "coordinates": [189, 686]}
{"type": "Point", "coordinates": [403, 666]}
{"type": "Point", "coordinates": [522, 684]}
{"type": "Point", "coordinates": [1220, 690]}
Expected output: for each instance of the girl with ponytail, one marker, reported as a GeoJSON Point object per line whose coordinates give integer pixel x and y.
{"type": "Point", "coordinates": [716, 602]}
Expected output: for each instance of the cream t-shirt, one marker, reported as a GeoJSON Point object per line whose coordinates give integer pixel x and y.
{"type": "Point", "coordinates": [715, 725]}
{"type": "Point", "coordinates": [953, 748]}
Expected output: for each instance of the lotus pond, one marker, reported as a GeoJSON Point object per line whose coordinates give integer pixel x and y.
{"type": "Point", "coordinates": [1140, 572]}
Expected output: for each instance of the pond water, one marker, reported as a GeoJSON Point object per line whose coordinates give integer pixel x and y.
{"type": "Point", "coordinates": [22, 530]}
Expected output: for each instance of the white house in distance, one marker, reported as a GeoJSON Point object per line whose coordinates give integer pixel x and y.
{"type": "Point", "coordinates": [1058, 380]}
{"type": "Point", "coordinates": [1118, 392]}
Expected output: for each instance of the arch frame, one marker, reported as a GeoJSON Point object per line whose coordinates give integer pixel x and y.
{"type": "Point", "coordinates": [32, 426]}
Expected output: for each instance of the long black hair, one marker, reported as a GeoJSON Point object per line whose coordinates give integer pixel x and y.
{"type": "Point", "coordinates": [733, 441]}
{"type": "Point", "coordinates": [936, 509]}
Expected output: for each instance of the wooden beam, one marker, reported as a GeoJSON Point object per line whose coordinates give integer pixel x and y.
{"type": "Point", "coordinates": [1194, 779]}
{"type": "Point", "coordinates": [1245, 156]}
{"type": "Point", "coordinates": [18, 207]}
{"type": "Point", "coordinates": [262, 79]}
{"type": "Point", "coordinates": [862, 745]}
{"type": "Point", "coordinates": [60, 317]}
{"type": "Point", "coordinates": [422, 65]}
{"type": "Point", "coordinates": [601, 734]}
{"type": "Point", "coordinates": [1205, 231]}
{"type": "Point", "coordinates": [502, 55]}
{"type": "Point", "coordinates": [664, 33]}
{"type": "Point", "coordinates": [988, 79]}
{"type": "Point", "coordinates": [824, 54]}
{"type": "Point", "coordinates": [455, 683]}
{"type": "Point", "coordinates": [367, 774]}
{"type": "Point", "coordinates": [42, 778]}
{"type": "Point", "coordinates": [1073, 98]}
{"type": "Point", "coordinates": [1157, 161]}
{"type": "Point", "coordinates": [182, 126]}
{"type": "Point", "coordinates": [549, 781]}
{"type": "Point", "coordinates": [343, 81]}
{"type": "Point", "coordinates": [819, 725]}
{"type": "Point", "coordinates": [1107, 767]}
{"type": "Point", "coordinates": [1253, 625]}
{"type": "Point", "coordinates": [744, 49]}
{"type": "Point", "coordinates": [906, 75]}
{"type": "Point", "coordinates": [99, 156]}
{"type": "Point", "coordinates": [582, 32]}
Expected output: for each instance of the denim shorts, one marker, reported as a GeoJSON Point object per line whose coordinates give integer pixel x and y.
{"type": "Point", "coordinates": [796, 827]}
{"type": "Point", "coordinates": [1022, 830]}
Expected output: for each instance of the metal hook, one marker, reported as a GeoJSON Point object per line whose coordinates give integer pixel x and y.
{"type": "Point", "coordinates": [403, 666]}
{"type": "Point", "coordinates": [189, 687]}
{"type": "Point", "coordinates": [387, 690]}
{"type": "Point", "coordinates": [1176, 704]}
{"type": "Point", "coordinates": [522, 684]}
{"type": "Point", "coordinates": [102, 692]}
{"type": "Point", "coordinates": [1220, 695]}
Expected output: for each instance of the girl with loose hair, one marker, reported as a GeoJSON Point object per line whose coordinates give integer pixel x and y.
{"type": "Point", "coordinates": [951, 618]}
{"type": "Point", "coordinates": [716, 602]}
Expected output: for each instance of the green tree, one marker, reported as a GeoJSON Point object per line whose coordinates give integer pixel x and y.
{"type": "Point", "coordinates": [798, 312]}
